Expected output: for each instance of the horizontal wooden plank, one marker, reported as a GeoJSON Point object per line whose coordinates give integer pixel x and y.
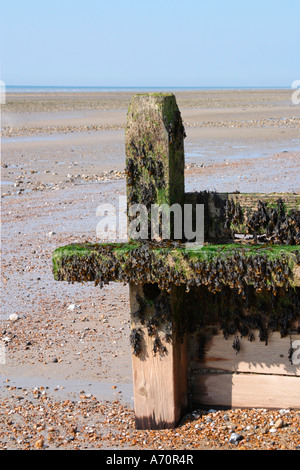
{"type": "Point", "coordinates": [254, 356]}
{"type": "Point", "coordinates": [245, 391]}
{"type": "Point", "coordinates": [273, 216]}
{"type": "Point", "coordinates": [250, 200]}
{"type": "Point", "coordinates": [270, 216]}
{"type": "Point", "coordinates": [169, 263]}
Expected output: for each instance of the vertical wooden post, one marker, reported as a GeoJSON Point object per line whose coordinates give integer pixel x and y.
{"type": "Point", "coordinates": [159, 357]}
{"type": "Point", "coordinates": [155, 175]}
{"type": "Point", "coordinates": [154, 151]}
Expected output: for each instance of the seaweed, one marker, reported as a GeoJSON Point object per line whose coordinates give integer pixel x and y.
{"type": "Point", "coordinates": [136, 341]}
{"type": "Point", "coordinates": [269, 222]}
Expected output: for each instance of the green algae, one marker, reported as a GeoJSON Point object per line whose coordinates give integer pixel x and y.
{"type": "Point", "coordinates": [154, 151]}
{"type": "Point", "coordinates": [173, 263]}
{"type": "Point", "coordinates": [234, 287]}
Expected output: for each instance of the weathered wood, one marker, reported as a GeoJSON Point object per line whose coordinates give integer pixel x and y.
{"type": "Point", "coordinates": [250, 200]}
{"type": "Point", "coordinates": [228, 215]}
{"type": "Point", "coordinates": [177, 264]}
{"type": "Point", "coordinates": [175, 288]}
{"type": "Point", "coordinates": [159, 358]}
{"type": "Point", "coordinates": [214, 215]}
{"type": "Point", "coordinates": [233, 390]}
{"type": "Point", "coordinates": [253, 357]}
{"type": "Point", "coordinates": [154, 143]}
{"type": "Point", "coordinates": [155, 175]}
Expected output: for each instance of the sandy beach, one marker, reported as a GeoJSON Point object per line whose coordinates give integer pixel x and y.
{"type": "Point", "coordinates": [62, 155]}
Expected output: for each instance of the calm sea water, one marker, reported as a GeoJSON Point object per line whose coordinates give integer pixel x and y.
{"type": "Point", "coordinates": [70, 89]}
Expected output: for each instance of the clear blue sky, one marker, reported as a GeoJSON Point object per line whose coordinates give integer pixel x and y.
{"type": "Point", "coordinates": [150, 43]}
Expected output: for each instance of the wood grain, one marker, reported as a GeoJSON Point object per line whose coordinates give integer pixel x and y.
{"type": "Point", "coordinates": [254, 357]}
{"type": "Point", "coordinates": [245, 391]}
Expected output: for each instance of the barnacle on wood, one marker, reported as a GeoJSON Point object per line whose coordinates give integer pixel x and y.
{"type": "Point", "coordinates": [143, 159]}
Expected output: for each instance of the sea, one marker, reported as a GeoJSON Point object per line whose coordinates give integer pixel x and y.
{"type": "Point", "coordinates": [107, 89]}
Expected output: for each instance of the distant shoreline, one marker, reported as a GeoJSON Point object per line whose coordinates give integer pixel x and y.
{"type": "Point", "coordinates": [103, 89]}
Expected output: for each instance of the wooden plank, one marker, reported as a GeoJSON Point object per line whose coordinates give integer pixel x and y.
{"type": "Point", "coordinates": [250, 200]}
{"type": "Point", "coordinates": [229, 215]}
{"type": "Point", "coordinates": [214, 215]}
{"type": "Point", "coordinates": [167, 263]}
{"type": "Point", "coordinates": [245, 391]}
{"type": "Point", "coordinates": [272, 217]}
{"type": "Point", "coordinates": [254, 356]}
{"type": "Point", "coordinates": [160, 379]}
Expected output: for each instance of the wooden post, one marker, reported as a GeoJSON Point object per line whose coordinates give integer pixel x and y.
{"type": "Point", "coordinates": [155, 175]}
{"type": "Point", "coordinates": [159, 357]}
{"type": "Point", "coordinates": [154, 152]}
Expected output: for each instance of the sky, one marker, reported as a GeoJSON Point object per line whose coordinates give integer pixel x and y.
{"type": "Point", "coordinates": [167, 43]}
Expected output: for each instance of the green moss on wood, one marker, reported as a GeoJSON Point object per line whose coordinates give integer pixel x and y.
{"type": "Point", "coordinates": [173, 264]}
{"type": "Point", "coordinates": [154, 151]}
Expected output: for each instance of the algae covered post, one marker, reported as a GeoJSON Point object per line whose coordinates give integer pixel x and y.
{"type": "Point", "coordinates": [155, 175]}
{"type": "Point", "coordinates": [154, 153]}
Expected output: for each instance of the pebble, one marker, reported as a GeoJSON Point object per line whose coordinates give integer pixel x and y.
{"type": "Point", "coordinates": [235, 438]}
{"type": "Point", "coordinates": [48, 422]}
{"type": "Point", "coordinates": [188, 166]}
{"type": "Point", "coordinates": [39, 444]}
{"type": "Point", "coordinates": [279, 423]}
{"type": "Point", "coordinates": [73, 307]}
{"type": "Point", "coordinates": [290, 122]}
{"type": "Point", "coordinates": [284, 412]}
{"type": "Point", "coordinates": [14, 317]}
{"type": "Point", "coordinates": [8, 131]}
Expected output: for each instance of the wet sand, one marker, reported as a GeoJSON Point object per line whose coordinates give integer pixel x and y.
{"type": "Point", "coordinates": [46, 137]}
{"type": "Point", "coordinates": [62, 156]}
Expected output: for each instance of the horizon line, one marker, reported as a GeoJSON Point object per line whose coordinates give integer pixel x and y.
{"type": "Point", "coordinates": [148, 86]}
